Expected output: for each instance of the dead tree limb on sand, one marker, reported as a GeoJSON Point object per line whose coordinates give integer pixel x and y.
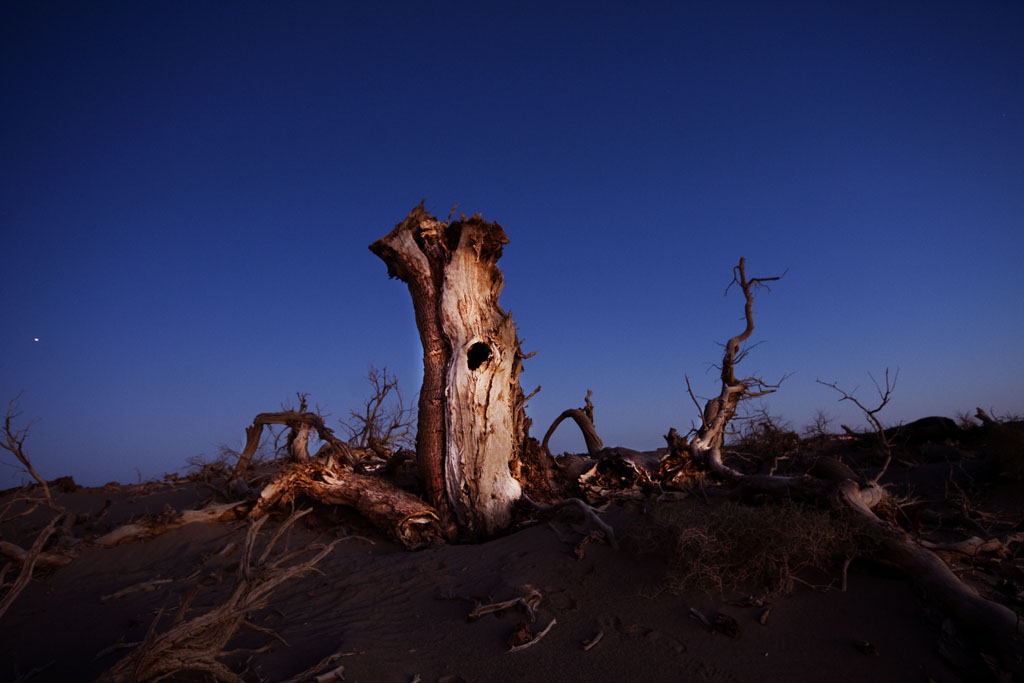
{"type": "Point", "coordinates": [43, 559]}
{"type": "Point", "coordinates": [29, 560]}
{"type": "Point", "coordinates": [588, 512]}
{"type": "Point", "coordinates": [584, 419]}
{"type": "Point", "coordinates": [471, 421]}
{"type": "Point", "coordinates": [975, 546]}
{"type": "Point", "coordinates": [198, 644]}
{"type": "Point", "coordinates": [162, 524]}
{"type": "Point", "coordinates": [400, 514]}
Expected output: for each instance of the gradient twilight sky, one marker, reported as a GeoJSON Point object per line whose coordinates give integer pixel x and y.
{"type": "Point", "coordinates": [189, 189]}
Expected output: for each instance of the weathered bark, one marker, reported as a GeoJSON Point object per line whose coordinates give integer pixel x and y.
{"type": "Point", "coordinates": [471, 421]}
{"type": "Point", "coordinates": [398, 513]}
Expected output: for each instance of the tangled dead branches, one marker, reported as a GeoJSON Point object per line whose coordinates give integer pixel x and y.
{"type": "Point", "coordinates": [198, 644]}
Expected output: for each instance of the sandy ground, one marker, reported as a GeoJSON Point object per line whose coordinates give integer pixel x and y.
{"type": "Point", "coordinates": [402, 615]}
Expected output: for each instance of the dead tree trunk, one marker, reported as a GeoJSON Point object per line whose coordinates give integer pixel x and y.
{"type": "Point", "coordinates": [471, 421]}
{"type": "Point", "coordinates": [707, 444]}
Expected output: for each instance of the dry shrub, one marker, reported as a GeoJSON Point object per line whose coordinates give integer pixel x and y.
{"type": "Point", "coordinates": [733, 547]}
{"type": "Point", "coordinates": [1004, 447]}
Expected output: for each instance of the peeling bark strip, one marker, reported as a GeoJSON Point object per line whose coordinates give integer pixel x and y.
{"type": "Point", "coordinates": [471, 417]}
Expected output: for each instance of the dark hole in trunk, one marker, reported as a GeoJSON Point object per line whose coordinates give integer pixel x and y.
{"type": "Point", "coordinates": [479, 354]}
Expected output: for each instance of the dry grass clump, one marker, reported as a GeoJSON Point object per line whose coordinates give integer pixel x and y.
{"type": "Point", "coordinates": [738, 548]}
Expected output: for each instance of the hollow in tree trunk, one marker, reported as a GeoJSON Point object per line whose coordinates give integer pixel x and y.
{"type": "Point", "coordinates": [471, 421]}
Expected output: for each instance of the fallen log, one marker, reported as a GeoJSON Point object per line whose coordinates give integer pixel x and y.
{"type": "Point", "coordinates": [396, 512]}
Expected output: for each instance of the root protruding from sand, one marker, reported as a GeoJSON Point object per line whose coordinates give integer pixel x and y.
{"type": "Point", "coordinates": [588, 512]}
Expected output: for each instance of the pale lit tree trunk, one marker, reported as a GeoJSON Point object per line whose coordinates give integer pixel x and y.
{"type": "Point", "coordinates": [471, 421]}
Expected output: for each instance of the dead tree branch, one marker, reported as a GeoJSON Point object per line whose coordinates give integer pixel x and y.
{"type": "Point", "coordinates": [720, 410]}
{"type": "Point", "coordinates": [155, 527]}
{"type": "Point", "coordinates": [29, 559]}
{"type": "Point", "coordinates": [884, 395]}
{"type": "Point", "coordinates": [199, 643]}
{"type": "Point", "coordinates": [587, 511]}
{"type": "Point", "coordinates": [14, 443]}
{"type": "Point", "coordinates": [22, 556]}
{"type": "Point", "coordinates": [584, 419]}
{"type": "Point", "coordinates": [385, 423]}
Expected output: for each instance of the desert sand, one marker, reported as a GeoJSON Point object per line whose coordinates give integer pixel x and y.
{"type": "Point", "coordinates": [401, 616]}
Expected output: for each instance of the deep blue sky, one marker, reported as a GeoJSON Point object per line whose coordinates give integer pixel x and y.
{"type": "Point", "coordinates": [189, 188]}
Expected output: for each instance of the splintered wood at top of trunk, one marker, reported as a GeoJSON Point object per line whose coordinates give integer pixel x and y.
{"type": "Point", "coordinates": [471, 423]}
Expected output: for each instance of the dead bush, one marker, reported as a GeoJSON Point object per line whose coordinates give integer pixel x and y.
{"type": "Point", "coordinates": [755, 550]}
{"type": "Point", "coordinates": [766, 440]}
{"type": "Point", "coordinates": [385, 422]}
